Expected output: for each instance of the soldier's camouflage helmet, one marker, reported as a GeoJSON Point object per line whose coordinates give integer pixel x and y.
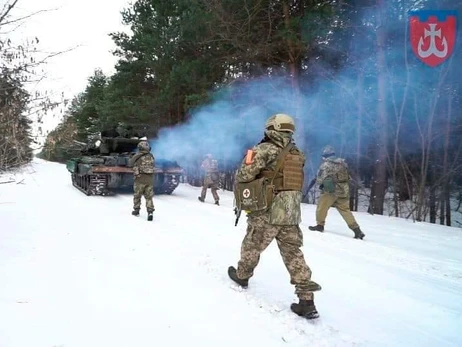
{"type": "Point", "coordinates": [328, 151]}
{"type": "Point", "coordinates": [280, 122]}
{"type": "Point", "coordinates": [144, 146]}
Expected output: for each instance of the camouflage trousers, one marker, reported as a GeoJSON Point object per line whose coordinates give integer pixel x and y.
{"type": "Point", "coordinates": [289, 239]}
{"type": "Point", "coordinates": [326, 201]}
{"type": "Point", "coordinates": [213, 185]}
{"type": "Point", "coordinates": [143, 189]}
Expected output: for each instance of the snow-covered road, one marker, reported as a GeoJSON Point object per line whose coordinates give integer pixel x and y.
{"type": "Point", "coordinates": [81, 271]}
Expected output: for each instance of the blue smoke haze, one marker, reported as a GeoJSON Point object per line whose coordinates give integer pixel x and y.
{"type": "Point", "coordinates": [229, 125]}
{"type": "Point", "coordinates": [325, 112]}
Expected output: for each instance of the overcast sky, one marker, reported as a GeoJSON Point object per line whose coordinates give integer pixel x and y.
{"type": "Point", "coordinates": [83, 23]}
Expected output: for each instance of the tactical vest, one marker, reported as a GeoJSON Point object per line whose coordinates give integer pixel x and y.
{"type": "Point", "coordinates": [144, 164]}
{"type": "Point", "coordinates": [213, 166]}
{"type": "Point", "coordinates": [258, 194]}
{"type": "Point", "coordinates": [338, 176]}
{"type": "Point", "coordinates": [341, 174]}
{"type": "Point", "coordinates": [290, 174]}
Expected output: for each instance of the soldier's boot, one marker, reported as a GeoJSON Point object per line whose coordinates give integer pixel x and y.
{"type": "Point", "coordinates": [233, 275]}
{"type": "Point", "coordinates": [305, 308]}
{"type": "Point", "coordinates": [313, 286]}
{"type": "Point", "coordinates": [136, 213]}
{"type": "Point", "coordinates": [317, 228]}
{"type": "Point", "coordinates": [200, 199]}
{"type": "Point", "coordinates": [217, 202]}
{"type": "Point", "coordinates": [150, 216]}
{"type": "Point", "coordinates": [358, 233]}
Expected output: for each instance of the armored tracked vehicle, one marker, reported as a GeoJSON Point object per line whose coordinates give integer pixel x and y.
{"type": "Point", "coordinates": [102, 169]}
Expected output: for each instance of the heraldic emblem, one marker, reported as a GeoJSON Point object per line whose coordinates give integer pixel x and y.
{"type": "Point", "coordinates": [433, 35]}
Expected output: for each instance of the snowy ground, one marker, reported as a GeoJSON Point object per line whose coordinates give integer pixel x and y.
{"type": "Point", "coordinates": [78, 271]}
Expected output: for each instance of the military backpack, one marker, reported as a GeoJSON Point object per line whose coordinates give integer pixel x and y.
{"type": "Point", "coordinates": [258, 194]}
{"type": "Point", "coordinates": [340, 175]}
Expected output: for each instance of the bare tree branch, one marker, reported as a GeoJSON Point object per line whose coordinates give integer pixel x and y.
{"type": "Point", "coordinates": [5, 182]}
{"type": "Point", "coordinates": [8, 10]}
{"type": "Point", "coordinates": [20, 19]}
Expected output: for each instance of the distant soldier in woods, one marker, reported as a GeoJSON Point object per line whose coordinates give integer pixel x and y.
{"type": "Point", "coordinates": [334, 181]}
{"type": "Point", "coordinates": [211, 179]}
{"type": "Point", "coordinates": [273, 169]}
{"type": "Point", "coordinates": [143, 169]}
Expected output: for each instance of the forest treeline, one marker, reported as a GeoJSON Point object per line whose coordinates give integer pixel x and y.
{"type": "Point", "coordinates": [345, 70]}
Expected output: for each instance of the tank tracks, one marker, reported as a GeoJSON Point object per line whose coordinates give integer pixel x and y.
{"type": "Point", "coordinates": [91, 184]}
{"type": "Point", "coordinates": [166, 188]}
{"type": "Point", "coordinates": [97, 185]}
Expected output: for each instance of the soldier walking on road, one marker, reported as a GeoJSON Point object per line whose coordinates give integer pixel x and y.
{"type": "Point", "coordinates": [211, 179]}
{"type": "Point", "coordinates": [143, 169]}
{"type": "Point", "coordinates": [278, 160]}
{"type": "Point", "coordinates": [333, 179]}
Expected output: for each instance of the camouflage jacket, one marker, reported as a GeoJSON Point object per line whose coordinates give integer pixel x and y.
{"type": "Point", "coordinates": [330, 168]}
{"type": "Point", "coordinates": [210, 166]}
{"type": "Point", "coordinates": [285, 208]}
{"type": "Point", "coordinates": [143, 166]}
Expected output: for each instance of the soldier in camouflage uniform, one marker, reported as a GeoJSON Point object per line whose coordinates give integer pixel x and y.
{"type": "Point", "coordinates": [333, 179]}
{"type": "Point", "coordinates": [281, 220]}
{"type": "Point", "coordinates": [143, 168]}
{"type": "Point", "coordinates": [211, 180]}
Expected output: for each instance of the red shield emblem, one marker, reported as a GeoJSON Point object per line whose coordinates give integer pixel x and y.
{"type": "Point", "coordinates": [433, 35]}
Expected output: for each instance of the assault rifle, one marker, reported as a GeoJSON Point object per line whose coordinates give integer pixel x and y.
{"type": "Point", "coordinates": [237, 213]}
{"type": "Point", "coordinates": [312, 183]}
